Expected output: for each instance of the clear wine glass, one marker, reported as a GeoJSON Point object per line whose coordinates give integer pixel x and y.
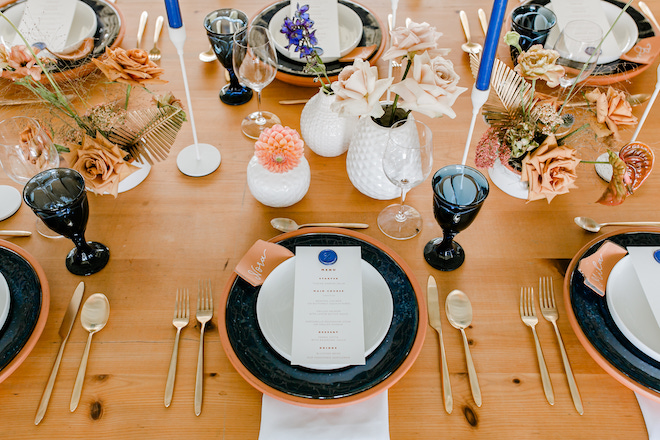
{"type": "Point", "coordinates": [459, 192]}
{"type": "Point", "coordinates": [58, 197]}
{"type": "Point", "coordinates": [25, 150]}
{"type": "Point", "coordinates": [407, 162]}
{"type": "Point", "coordinates": [577, 46]}
{"type": "Point", "coordinates": [255, 64]}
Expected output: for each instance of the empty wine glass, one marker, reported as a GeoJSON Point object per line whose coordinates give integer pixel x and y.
{"type": "Point", "coordinates": [58, 197]}
{"type": "Point", "coordinates": [407, 162]}
{"type": "Point", "coordinates": [577, 46]}
{"type": "Point", "coordinates": [255, 63]}
{"type": "Point", "coordinates": [458, 193]}
{"type": "Point", "coordinates": [25, 150]}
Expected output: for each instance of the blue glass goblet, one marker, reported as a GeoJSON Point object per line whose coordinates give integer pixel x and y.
{"type": "Point", "coordinates": [458, 193]}
{"type": "Point", "coordinates": [220, 27]}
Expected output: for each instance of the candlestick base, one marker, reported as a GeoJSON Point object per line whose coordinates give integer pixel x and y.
{"type": "Point", "coordinates": [190, 165]}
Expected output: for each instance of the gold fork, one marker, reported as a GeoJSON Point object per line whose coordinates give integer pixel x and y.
{"type": "Point", "coordinates": [181, 318]}
{"type": "Point", "coordinates": [550, 313]}
{"type": "Point", "coordinates": [528, 315]}
{"type": "Point", "coordinates": [204, 315]}
{"type": "Point", "coordinates": [154, 53]}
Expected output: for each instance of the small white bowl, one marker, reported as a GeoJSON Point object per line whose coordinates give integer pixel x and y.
{"type": "Point", "coordinates": [350, 32]}
{"type": "Point", "coordinates": [83, 26]}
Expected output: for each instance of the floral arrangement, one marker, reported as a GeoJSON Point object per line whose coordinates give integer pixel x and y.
{"type": "Point", "coordinates": [429, 84]}
{"type": "Point", "coordinates": [279, 149]}
{"type": "Point", "coordinates": [529, 131]}
{"type": "Point", "coordinates": [104, 140]}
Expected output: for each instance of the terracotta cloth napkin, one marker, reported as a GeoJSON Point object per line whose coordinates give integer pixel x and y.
{"type": "Point", "coordinates": [366, 420]}
{"type": "Point", "coordinates": [651, 412]}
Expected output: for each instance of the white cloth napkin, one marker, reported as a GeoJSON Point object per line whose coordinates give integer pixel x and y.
{"type": "Point", "coordinates": [651, 412]}
{"type": "Point", "coordinates": [367, 420]}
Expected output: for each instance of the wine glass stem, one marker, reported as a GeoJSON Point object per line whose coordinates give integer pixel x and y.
{"type": "Point", "coordinates": [260, 118]}
{"type": "Point", "coordinates": [401, 215]}
{"type": "Point", "coordinates": [446, 245]}
{"type": "Point", "coordinates": [81, 244]}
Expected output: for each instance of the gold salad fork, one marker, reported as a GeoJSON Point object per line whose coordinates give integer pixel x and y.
{"type": "Point", "coordinates": [154, 53]}
{"type": "Point", "coordinates": [550, 313]}
{"type": "Point", "coordinates": [528, 315]}
{"type": "Point", "coordinates": [204, 315]}
{"type": "Point", "coordinates": [181, 318]}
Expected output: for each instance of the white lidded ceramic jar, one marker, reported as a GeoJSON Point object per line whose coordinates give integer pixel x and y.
{"type": "Point", "coordinates": [324, 131]}
{"type": "Point", "coordinates": [278, 190]}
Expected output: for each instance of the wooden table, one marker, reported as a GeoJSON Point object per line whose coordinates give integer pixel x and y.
{"type": "Point", "coordinates": [173, 230]}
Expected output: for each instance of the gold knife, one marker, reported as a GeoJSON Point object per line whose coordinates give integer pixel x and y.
{"type": "Point", "coordinates": [65, 330]}
{"type": "Point", "coordinates": [434, 319]}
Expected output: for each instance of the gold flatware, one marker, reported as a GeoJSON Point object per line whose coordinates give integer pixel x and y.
{"type": "Point", "coordinates": [459, 314]}
{"type": "Point", "coordinates": [483, 20]}
{"type": "Point", "coordinates": [591, 225]}
{"type": "Point", "coordinates": [65, 331]}
{"type": "Point", "coordinates": [287, 225]}
{"type": "Point", "coordinates": [550, 313]}
{"type": "Point", "coordinates": [528, 315]}
{"type": "Point", "coordinates": [15, 233]}
{"type": "Point", "coordinates": [469, 46]}
{"type": "Point", "coordinates": [434, 319]}
{"type": "Point", "coordinates": [93, 317]}
{"type": "Point", "coordinates": [141, 28]}
{"type": "Point", "coordinates": [207, 56]}
{"type": "Point", "coordinates": [293, 101]}
{"type": "Point", "coordinates": [154, 53]}
{"type": "Point", "coordinates": [204, 315]}
{"type": "Point", "coordinates": [180, 320]}
{"type": "Point", "coordinates": [647, 11]}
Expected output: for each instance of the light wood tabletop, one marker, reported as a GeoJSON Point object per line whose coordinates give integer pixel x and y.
{"type": "Point", "coordinates": [173, 230]}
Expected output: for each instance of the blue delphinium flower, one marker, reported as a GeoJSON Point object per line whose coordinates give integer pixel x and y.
{"type": "Point", "coordinates": [301, 35]}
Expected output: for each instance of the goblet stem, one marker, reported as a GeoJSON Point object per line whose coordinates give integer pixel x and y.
{"type": "Point", "coordinates": [446, 246]}
{"type": "Point", "coordinates": [260, 117]}
{"type": "Point", "coordinates": [81, 244]}
{"type": "Point", "coordinates": [401, 215]}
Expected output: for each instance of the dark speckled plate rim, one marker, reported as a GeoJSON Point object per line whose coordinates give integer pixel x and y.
{"type": "Point", "coordinates": [383, 383]}
{"type": "Point", "coordinates": [37, 329]}
{"type": "Point", "coordinates": [592, 322]}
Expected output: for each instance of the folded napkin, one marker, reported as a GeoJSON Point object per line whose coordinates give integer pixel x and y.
{"type": "Point", "coordinates": [367, 420]}
{"type": "Point", "coordinates": [651, 412]}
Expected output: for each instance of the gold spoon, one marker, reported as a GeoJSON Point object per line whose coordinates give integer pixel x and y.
{"type": "Point", "coordinates": [288, 225]}
{"type": "Point", "coordinates": [591, 225]}
{"type": "Point", "coordinates": [469, 46]}
{"type": "Point", "coordinates": [207, 56]}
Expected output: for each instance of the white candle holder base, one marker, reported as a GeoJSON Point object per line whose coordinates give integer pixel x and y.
{"type": "Point", "coordinates": [208, 162]}
{"type": "Point", "coordinates": [508, 181]}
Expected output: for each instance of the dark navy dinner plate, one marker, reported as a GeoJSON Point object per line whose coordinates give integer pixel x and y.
{"type": "Point", "coordinates": [597, 331]}
{"type": "Point", "coordinates": [267, 371]}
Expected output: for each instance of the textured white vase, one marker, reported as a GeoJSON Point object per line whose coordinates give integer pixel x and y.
{"type": "Point", "coordinates": [324, 131]}
{"type": "Point", "coordinates": [364, 162]}
{"type": "Point", "coordinates": [278, 190]}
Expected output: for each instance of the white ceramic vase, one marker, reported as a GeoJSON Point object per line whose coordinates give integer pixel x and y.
{"type": "Point", "coordinates": [278, 190]}
{"type": "Point", "coordinates": [324, 131]}
{"type": "Point", "coordinates": [508, 181]}
{"type": "Point", "coordinates": [364, 162]}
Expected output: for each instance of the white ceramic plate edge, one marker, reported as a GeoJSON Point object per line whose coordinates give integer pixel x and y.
{"type": "Point", "coordinates": [5, 301]}
{"type": "Point", "coordinates": [630, 309]}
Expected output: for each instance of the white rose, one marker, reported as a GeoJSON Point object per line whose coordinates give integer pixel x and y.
{"type": "Point", "coordinates": [358, 90]}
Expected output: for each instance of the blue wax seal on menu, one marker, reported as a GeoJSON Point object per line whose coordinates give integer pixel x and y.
{"type": "Point", "coordinates": [328, 257]}
{"type": "Point", "coordinates": [656, 255]}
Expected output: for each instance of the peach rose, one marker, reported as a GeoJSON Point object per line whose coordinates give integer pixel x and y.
{"type": "Point", "coordinates": [101, 164]}
{"type": "Point", "coordinates": [612, 109]}
{"type": "Point", "coordinates": [539, 63]}
{"type": "Point", "coordinates": [358, 90]}
{"type": "Point", "coordinates": [431, 88]}
{"type": "Point", "coordinates": [129, 66]}
{"type": "Point", "coordinates": [550, 170]}
{"type": "Point", "coordinates": [412, 39]}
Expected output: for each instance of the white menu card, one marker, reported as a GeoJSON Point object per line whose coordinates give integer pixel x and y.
{"type": "Point", "coordinates": [326, 23]}
{"type": "Point", "coordinates": [646, 261]}
{"type": "Point", "coordinates": [47, 21]}
{"type": "Point", "coordinates": [328, 325]}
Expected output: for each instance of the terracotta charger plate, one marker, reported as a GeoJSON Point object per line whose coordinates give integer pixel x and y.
{"type": "Point", "coordinates": [263, 368]}
{"type": "Point", "coordinates": [109, 33]}
{"type": "Point", "coordinates": [291, 71]}
{"type": "Point", "coordinates": [30, 301]}
{"type": "Point", "coordinates": [595, 327]}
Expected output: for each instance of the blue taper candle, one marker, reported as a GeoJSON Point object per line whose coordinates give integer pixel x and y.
{"type": "Point", "coordinates": [173, 14]}
{"type": "Point", "coordinates": [490, 46]}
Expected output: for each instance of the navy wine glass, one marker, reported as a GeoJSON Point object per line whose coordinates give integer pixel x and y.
{"type": "Point", "coordinates": [58, 197]}
{"type": "Point", "coordinates": [458, 193]}
{"type": "Point", "coordinates": [220, 27]}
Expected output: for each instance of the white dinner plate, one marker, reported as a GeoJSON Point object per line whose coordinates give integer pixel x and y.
{"type": "Point", "coordinates": [350, 32]}
{"type": "Point", "coordinates": [275, 309]}
{"type": "Point", "coordinates": [10, 201]}
{"type": "Point", "coordinates": [630, 309]}
{"type": "Point", "coordinates": [84, 25]}
{"type": "Point", "coordinates": [5, 301]}
{"type": "Point", "coordinates": [625, 33]}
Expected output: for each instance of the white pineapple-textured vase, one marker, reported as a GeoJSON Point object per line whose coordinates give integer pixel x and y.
{"type": "Point", "coordinates": [324, 131]}
{"type": "Point", "coordinates": [364, 162]}
{"type": "Point", "coordinates": [278, 190]}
